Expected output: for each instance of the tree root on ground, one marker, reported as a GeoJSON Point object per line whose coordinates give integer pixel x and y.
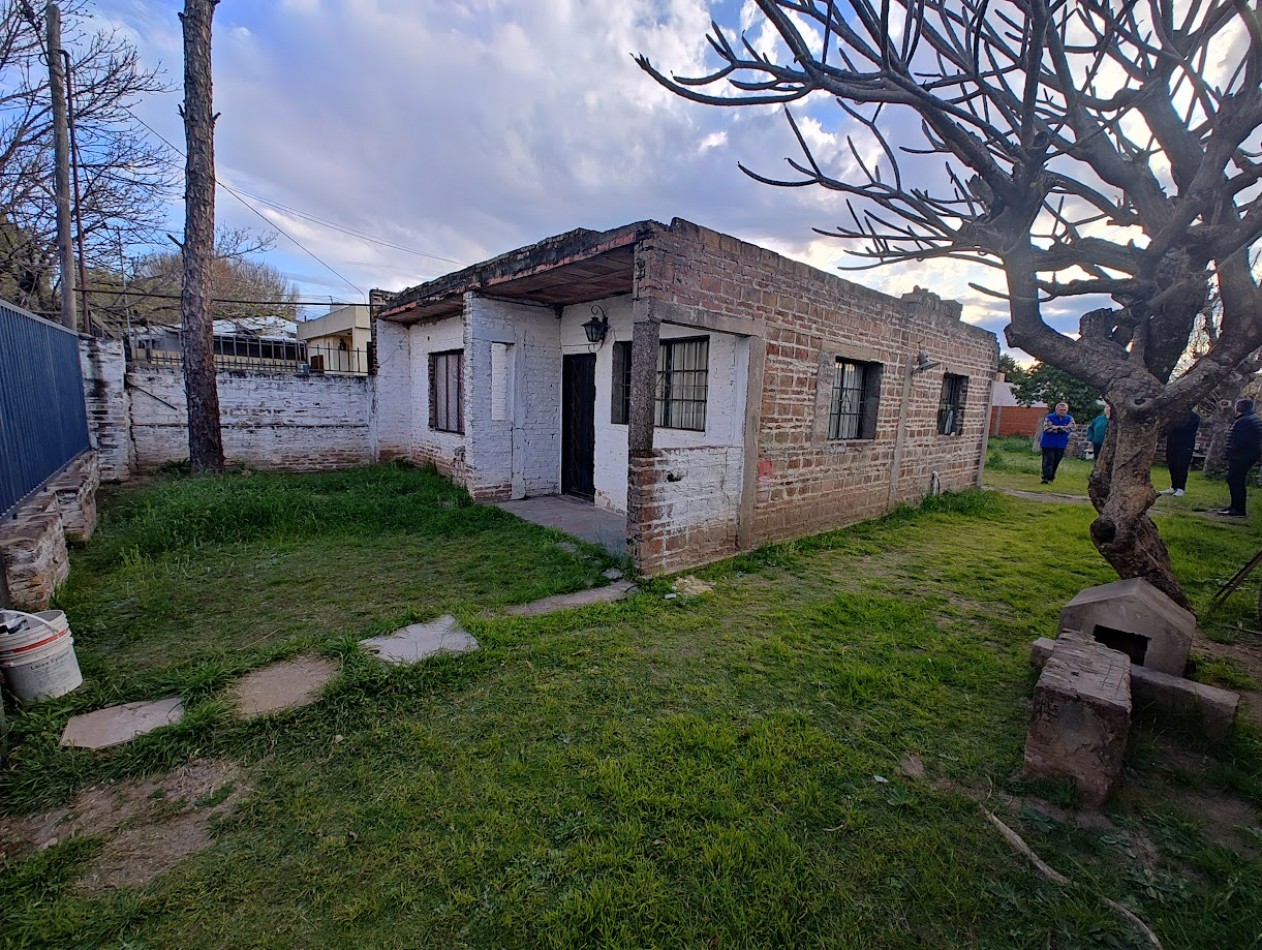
{"type": "Point", "coordinates": [1052, 874]}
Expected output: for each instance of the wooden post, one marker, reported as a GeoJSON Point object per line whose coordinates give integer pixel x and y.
{"type": "Point", "coordinates": [61, 158]}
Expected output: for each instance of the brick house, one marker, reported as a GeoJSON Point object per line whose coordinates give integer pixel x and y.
{"type": "Point", "coordinates": [731, 397]}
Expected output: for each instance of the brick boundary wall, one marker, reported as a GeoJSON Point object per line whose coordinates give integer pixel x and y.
{"type": "Point", "coordinates": [33, 553]}
{"type": "Point", "coordinates": [1016, 420]}
{"type": "Point", "coordinates": [270, 421]}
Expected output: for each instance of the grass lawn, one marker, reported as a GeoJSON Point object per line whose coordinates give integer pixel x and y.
{"type": "Point", "coordinates": [799, 759]}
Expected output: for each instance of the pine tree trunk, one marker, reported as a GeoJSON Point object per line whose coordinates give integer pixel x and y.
{"type": "Point", "coordinates": [205, 442]}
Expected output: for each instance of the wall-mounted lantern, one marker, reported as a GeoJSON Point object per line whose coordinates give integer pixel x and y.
{"type": "Point", "coordinates": [597, 326]}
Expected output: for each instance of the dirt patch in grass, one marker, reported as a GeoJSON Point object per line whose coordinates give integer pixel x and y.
{"type": "Point", "coordinates": [147, 826]}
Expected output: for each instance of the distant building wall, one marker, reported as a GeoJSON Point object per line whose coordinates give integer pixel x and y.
{"type": "Point", "coordinates": [1016, 420]}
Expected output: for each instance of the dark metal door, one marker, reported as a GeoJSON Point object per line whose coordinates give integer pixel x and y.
{"type": "Point", "coordinates": [578, 425]}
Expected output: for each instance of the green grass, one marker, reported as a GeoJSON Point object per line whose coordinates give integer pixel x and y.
{"type": "Point", "coordinates": [691, 772]}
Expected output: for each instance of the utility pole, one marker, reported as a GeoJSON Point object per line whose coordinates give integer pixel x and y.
{"type": "Point", "coordinates": [205, 441]}
{"type": "Point", "coordinates": [61, 156]}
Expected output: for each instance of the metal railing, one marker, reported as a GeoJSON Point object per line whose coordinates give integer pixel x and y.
{"type": "Point", "coordinates": [43, 419]}
{"type": "Point", "coordinates": [243, 353]}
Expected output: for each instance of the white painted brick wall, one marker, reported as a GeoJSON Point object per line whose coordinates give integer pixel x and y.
{"type": "Point", "coordinates": [269, 420]}
{"type": "Point", "coordinates": [446, 450]}
{"type": "Point", "coordinates": [108, 406]}
{"type": "Point", "coordinates": [390, 425]}
{"type": "Point", "coordinates": [725, 403]}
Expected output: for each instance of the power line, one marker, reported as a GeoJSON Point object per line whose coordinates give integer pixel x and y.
{"type": "Point", "coordinates": [143, 294]}
{"type": "Point", "coordinates": [345, 229]}
{"type": "Point", "coordinates": [255, 210]}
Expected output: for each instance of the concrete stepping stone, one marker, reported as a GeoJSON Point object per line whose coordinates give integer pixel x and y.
{"type": "Point", "coordinates": [115, 725]}
{"type": "Point", "coordinates": [289, 684]}
{"type": "Point", "coordinates": [582, 598]}
{"type": "Point", "coordinates": [419, 641]}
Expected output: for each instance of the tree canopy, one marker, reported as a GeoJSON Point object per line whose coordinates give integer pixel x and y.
{"type": "Point", "coordinates": [1049, 385]}
{"type": "Point", "coordinates": [1096, 156]}
{"type": "Point", "coordinates": [124, 177]}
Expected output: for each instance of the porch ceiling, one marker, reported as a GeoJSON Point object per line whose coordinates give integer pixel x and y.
{"type": "Point", "coordinates": [569, 269]}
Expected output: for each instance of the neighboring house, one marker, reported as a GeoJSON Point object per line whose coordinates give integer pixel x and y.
{"type": "Point", "coordinates": [1009, 417]}
{"type": "Point", "coordinates": [337, 342]}
{"type": "Point", "coordinates": [735, 398]}
{"type": "Point", "coordinates": [242, 343]}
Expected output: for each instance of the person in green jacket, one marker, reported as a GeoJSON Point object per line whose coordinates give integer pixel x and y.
{"type": "Point", "coordinates": [1096, 431]}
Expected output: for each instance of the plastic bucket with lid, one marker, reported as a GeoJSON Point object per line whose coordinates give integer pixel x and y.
{"type": "Point", "coordinates": [37, 654]}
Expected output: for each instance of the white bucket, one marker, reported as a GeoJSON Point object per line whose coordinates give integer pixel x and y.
{"type": "Point", "coordinates": [37, 655]}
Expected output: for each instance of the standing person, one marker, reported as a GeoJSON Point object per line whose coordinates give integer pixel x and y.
{"type": "Point", "coordinates": [1180, 447]}
{"type": "Point", "coordinates": [1097, 430]}
{"type": "Point", "coordinates": [1056, 428]}
{"type": "Point", "coordinates": [1244, 447]}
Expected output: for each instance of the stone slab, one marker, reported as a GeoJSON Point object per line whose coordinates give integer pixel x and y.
{"type": "Point", "coordinates": [115, 725]}
{"type": "Point", "coordinates": [583, 598]}
{"type": "Point", "coordinates": [1216, 707]}
{"type": "Point", "coordinates": [419, 641]}
{"type": "Point", "coordinates": [1135, 607]}
{"type": "Point", "coordinates": [1080, 719]}
{"type": "Point", "coordinates": [289, 684]}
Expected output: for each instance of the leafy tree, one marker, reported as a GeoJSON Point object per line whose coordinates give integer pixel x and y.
{"type": "Point", "coordinates": [1013, 371]}
{"type": "Point", "coordinates": [1049, 385]}
{"type": "Point", "coordinates": [1090, 154]}
{"type": "Point", "coordinates": [124, 177]}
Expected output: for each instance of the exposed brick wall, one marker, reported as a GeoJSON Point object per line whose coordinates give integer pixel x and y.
{"type": "Point", "coordinates": [108, 405]}
{"type": "Point", "coordinates": [276, 421]}
{"type": "Point", "coordinates": [686, 506]}
{"type": "Point", "coordinates": [34, 559]}
{"type": "Point", "coordinates": [1016, 420]}
{"type": "Point", "coordinates": [807, 483]}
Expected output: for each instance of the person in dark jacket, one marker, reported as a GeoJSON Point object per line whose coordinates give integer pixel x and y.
{"type": "Point", "coordinates": [1055, 438]}
{"type": "Point", "coordinates": [1244, 448]}
{"type": "Point", "coordinates": [1180, 447]}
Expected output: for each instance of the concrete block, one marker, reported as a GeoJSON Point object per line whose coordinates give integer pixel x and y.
{"type": "Point", "coordinates": [1081, 719]}
{"type": "Point", "coordinates": [420, 641]}
{"type": "Point", "coordinates": [583, 598]}
{"type": "Point", "coordinates": [289, 684]}
{"type": "Point", "coordinates": [118, 724]}
{"type": "Point", "coordinates": [1216, 707]}
{"type": "Point", "coordinates": [1134, 617]}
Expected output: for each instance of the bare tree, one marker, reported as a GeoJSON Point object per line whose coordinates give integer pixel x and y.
{"type": "Point", "coordinates": [124, 176]}
{"type": "Point", "coordinates": [205, 441]}
{"type": "Point", "coordinates": [240, 285]}
{"type": "Point", "coordinates": [1086, 151]}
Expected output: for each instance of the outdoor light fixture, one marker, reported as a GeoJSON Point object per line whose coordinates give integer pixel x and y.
{"type": "Point", "coordinates": [597, 326]}
{"type": "Point", "coordinates": [923, 362]}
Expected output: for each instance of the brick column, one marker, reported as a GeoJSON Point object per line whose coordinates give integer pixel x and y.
{"type": "Point", "coordinates": [645, 337]}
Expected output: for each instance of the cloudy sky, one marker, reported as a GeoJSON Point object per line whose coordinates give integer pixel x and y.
{"type": "Point", "coordinates": [397, 140]}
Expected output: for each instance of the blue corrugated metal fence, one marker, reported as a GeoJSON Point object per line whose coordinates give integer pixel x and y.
{"type": "Point", "coordinates": [43, 420]}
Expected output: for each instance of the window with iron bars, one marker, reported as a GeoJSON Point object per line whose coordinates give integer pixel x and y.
{"type": "Point", "coordinates": [682, 383]}
{"type": "Point", "coordinates": [856, 395]}
{"type": "Point", "coordinates": [951, 406]}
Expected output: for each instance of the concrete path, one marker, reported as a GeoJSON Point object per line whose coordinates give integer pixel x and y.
{"type": "Point", "coordinates": [574, 516]}
{"type": "Point", "coordinates": [289, 684]}
{"type": "Point", "coordinates": [583, 598]}
{"type": "Point", "coordinates": [1051, 497]}
{"type": "Point", "coordinates": [420, 641]}
{"type": "Point", "coordinates": [115, 725]}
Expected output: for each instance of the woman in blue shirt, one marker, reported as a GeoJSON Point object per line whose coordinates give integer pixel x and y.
{"type": "Point", "coordinates": [1055, 439]}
